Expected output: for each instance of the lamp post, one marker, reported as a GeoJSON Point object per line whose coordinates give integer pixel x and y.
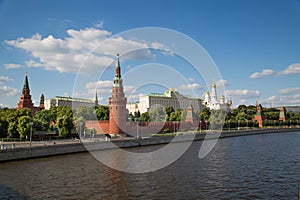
{"type": "Point", "coordinates": [137, 130]}
{"type": "Point", "coordinates": [229, 124]}
{"type": "Point", "coordinates": [200, 125]}
{"type": "Point", "coordinates": [30, 124]}
{"type": "Point", "coordinates": [80, 131]}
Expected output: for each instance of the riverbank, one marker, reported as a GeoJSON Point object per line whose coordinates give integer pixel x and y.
{"type": "Point", "coordinates": [53, 148]}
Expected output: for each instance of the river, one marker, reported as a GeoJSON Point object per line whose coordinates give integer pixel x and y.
{"type": "Point", "coordinates": [249, 167]}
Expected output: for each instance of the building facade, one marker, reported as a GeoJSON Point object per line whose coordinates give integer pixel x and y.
{"type": "Point", "coordinates": [211, 101]}
{"type": "Point", "coordinates": [75, 103]}
{"type": "Point", "coordinates": [169, 98]}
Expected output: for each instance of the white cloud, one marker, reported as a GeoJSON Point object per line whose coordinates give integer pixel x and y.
{"type": "Point", "coordinates": [191, 79]}
{"type": "Point", "coordinates": [98, 24]}
{"type": "Point", "coordinates": [289, 90]}
{"type": "Point", "coordinates": [292, 69]}
{"type": "Point", "coordinates": [243, 93]}
{"type": "Point", "coordinates": [284, 100]}
{"type": "Point", "coordinates": [12, 66]}
{"type": "Point", "coordinates": [4, 79]}
{"type": "Point", "coordinates": [222, 82]}
{"type": "Point", "coordinates": [8, 91]}
{"type": "Point", "coordinates": [33, 64]}
{"type": "Point", "coordinates": [97, 48]}
{"type": "Point", "coordinates": [191, 86]}
{"type": "Point", "coordinates": [265, 72]}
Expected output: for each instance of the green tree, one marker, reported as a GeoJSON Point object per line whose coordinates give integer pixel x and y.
{"type": "Point", "coordinates": [3, 127]}
{"type": "Point", "coordinates": [157, 114]}
{"type": "Point", "coordinates": [23, 126]}
{"type": "Point", "coordinates": [204, 115]}
{"type": "Point", "coordinates": [102, 113]}
{"type": "Point", "coordinates": [145, 117]}
{"type": "Point", "coordinates": [65, 125]}
{"type": "Point", "coordinates": [86, 112]}
{"type": "Point", "coordinates": [169, 110]}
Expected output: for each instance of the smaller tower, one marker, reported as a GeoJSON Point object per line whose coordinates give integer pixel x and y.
{"type": "Point", "coordinates": [282, 114]}
{"type": "Point", "coordinates": [96, 100]}
{"type": "Point", "coordinates": [259, 116]}
{"type": "Point", "coordinates": [222, 100]}
{"type": "Point", "coordinates": [214, 93]}
{"type": "Point", "coordinates": [25, 99]}
{"type": "Point", "coordinates": [42, 100]}
{"type": "Point", "coordinates": [207, 98]}
{"type": "Point", "coordinates": [190, 115]}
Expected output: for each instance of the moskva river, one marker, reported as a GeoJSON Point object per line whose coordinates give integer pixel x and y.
{"type": "Point", "coordinates": [249, 167]}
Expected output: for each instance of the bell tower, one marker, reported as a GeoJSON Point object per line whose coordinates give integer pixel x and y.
{"type": "Point", "coordinates": [117, 104]}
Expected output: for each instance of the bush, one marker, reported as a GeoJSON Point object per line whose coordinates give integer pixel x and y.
{"type": "Point", "coordinates": [166, 130]}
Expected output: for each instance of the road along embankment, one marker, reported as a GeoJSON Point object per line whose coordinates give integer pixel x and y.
{"type": "Point", "coordinates": [68, 148]}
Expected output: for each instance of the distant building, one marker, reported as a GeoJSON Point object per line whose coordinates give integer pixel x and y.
{"type": "Point", "coordinates": [25, 99]}
{"type": "Point", "coordinates": [212, 101]}
{"type": "Point", "coordinates": [75, 103]}
{"type": "Point", "coordinates": [169, 98]}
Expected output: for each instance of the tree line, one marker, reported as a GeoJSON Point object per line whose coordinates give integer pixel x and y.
{"type": "Point", "coordinates": [63, 120]}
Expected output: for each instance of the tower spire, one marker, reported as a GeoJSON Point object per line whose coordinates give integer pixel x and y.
{"type": "Point", "coordinates": [117, 78]}
{"type": "Point", "coordinates": [96, 99]}
{"type": "Point", "coordinates": [26, 89]}
{"type": "Point", "coordinates": [118, 67]}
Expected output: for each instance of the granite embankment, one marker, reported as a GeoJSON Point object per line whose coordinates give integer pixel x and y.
{"type": "Point", "coordinates": [77, 147]}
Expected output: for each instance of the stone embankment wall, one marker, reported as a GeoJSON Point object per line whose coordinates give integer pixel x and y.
{"type": "Point", "coordinates": [60, 149]}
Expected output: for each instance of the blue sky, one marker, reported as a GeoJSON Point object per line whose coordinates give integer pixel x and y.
{"type": "Point", "coordinates": [254, 44]}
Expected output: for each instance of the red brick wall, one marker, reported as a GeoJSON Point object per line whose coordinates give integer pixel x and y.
{"type": "Point", "coordinates": [145, 128]}
{"type": "Point", "coordinates": [101, 127]}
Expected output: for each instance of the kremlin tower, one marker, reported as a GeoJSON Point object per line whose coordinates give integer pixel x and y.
{"type": "Point", "coordinates": [117, 104]}
{"type": "Point", "coordinates": [25, 99]}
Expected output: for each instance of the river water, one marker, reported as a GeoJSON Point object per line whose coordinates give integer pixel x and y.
{"type": "Point", "coordinates": [248, 167]}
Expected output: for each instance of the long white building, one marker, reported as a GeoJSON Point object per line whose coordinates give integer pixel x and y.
{"type": "Point", "coordinates": [169, 98]}
{"type": "Point", "coordinates": [74, 103]}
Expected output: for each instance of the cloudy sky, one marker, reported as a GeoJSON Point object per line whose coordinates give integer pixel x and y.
{"type": "Point", "coordinates": [69, 48]}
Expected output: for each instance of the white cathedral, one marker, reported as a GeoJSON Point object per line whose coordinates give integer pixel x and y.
{"type": "Point", "coordinates": [212, 101]}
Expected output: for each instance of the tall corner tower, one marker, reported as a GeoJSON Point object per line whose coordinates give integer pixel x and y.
{"type": "Point", "coordinates": [25, 99]}
{"type": "Point", "coordinates": [117, 104]}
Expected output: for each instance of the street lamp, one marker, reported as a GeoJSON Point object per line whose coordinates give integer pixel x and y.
{"type": "Point", "coordinates": [80, 131]}
{"type": "Point", "coordinates": [137, 130]}
{"type": "Point", "coordinates": [30, 124]}
{"type": "Point", "coordinates": [200, 126]}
